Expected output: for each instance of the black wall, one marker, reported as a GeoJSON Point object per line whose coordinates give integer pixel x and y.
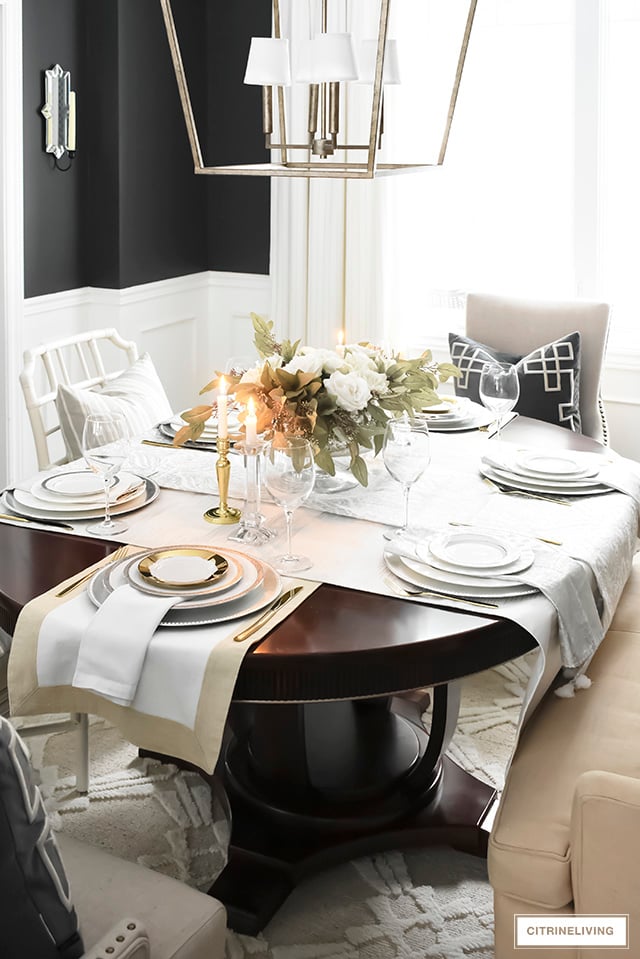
{"type": "Point", "coordinates": [131, 209]}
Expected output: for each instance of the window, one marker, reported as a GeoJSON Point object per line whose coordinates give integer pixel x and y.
{"type": "Point", "coordinates": [540, 192]}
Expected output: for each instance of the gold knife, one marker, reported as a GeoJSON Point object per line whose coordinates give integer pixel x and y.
{"type": "Point", "coordinates": [273, 609]}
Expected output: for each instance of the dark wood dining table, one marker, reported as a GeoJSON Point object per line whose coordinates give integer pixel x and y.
{"type": "Point", "coordinates": [325, 755]}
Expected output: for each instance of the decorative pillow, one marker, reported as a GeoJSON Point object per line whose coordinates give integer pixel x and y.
{"type": "Point", "coordinates": [549, 377]}
{"type": "Point", "coordinates": [137, 393]}
{"type": "Point", "coordinates": [38, 918]}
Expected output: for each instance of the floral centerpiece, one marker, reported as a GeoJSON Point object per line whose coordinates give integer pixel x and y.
{"type": "Point", "coordinates": [338, 399]}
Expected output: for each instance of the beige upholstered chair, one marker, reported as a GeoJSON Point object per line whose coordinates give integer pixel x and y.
{"type": "Point", "coordinates": [73, 361]}
{"type": "Point", "coordinates": [171, 920]}
{"type": "Point", "coordinates": [520, 326]}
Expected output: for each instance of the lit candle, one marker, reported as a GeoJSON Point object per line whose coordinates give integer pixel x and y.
{"type": "Point", "coordinates": [340, 346]}
{"type": "Point", "coordinates": [223, 430]}
{"type": "Point", "coordinates": [251, 423]}
{"type": "Point", "coordinates": [71, 135]}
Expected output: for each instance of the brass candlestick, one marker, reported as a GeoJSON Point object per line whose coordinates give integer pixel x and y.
{"type": "Point", "coordinates": [223, 514]}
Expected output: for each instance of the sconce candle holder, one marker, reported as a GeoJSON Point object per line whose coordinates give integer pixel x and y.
{"type": "Point", "coordinates": [59, 112]}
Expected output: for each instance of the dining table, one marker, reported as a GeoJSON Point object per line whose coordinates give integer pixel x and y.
{"type": "Point", "coordinates": [336, 735]}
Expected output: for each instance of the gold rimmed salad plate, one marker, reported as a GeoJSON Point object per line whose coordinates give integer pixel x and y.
{"type": "Point", "coordinates": [183, 567]}
{"type": "Point", "coordinates": [248, 576]}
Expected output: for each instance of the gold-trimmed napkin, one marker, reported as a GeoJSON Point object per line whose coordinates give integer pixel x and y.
{"type": "Point", "coordinates": [200, 744]}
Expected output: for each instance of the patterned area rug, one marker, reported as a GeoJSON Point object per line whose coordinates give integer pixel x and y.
{"type": "Point", "coordinates": [422, 904]}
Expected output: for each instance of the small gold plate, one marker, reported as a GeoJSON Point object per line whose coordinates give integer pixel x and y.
{"type": "Point", "coordinates": [145, 566]}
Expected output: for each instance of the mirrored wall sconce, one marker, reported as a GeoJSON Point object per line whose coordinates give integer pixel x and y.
{"type": "Point", "coordinates": [59, 112]}
{"type": "Point", "coordinates": [313, 141]}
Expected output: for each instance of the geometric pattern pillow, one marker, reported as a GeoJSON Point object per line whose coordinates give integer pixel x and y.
{"type": "Point", "coordinates": [549, 377]}
{"type": "Point", "coordinates": [137, 393]}
{"type": "Point", "coordinates": [38, 920]}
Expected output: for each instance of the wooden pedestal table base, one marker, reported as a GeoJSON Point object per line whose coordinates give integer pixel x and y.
{"type": "Point", "coordinates": [316, 784]}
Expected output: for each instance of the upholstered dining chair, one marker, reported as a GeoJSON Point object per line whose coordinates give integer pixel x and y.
{"type": "Point", "coordinates": [520, 326]}
{"type": "Point", "coordinates": [77, 361]}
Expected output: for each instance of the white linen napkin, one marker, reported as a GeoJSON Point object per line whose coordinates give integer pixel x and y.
{"type": "Point", "coordinates": [113, 647]}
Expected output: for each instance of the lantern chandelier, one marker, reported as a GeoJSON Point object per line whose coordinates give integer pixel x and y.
{"type": "Point", "coordinates": [324, 62]}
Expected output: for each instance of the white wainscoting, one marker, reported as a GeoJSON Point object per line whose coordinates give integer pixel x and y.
{"type": "Point", "coordinates": [190, 325]}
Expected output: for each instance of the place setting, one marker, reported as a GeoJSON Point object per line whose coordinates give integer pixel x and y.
{"type": "Point", "coordinates": [455, 415]}
{"type": "Point", "coordinates": [541, 473]}
{"type": "Point", "coordinates": [475, 566]}
{"type": "Point", "coordinates": [208, 439]}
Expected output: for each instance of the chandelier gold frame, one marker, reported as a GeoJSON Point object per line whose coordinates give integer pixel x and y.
{"type": "Point", "coordinates": [288, 167]}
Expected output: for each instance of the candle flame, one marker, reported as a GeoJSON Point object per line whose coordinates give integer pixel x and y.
{"type": "Point", "coordinates": [251, 407]}
{"type": "Point", "coordinates": [340, 337]}
{"type": "Point", "coordinates": [223, 386]}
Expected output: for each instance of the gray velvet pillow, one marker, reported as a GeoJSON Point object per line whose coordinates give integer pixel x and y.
{"type": "Point", "coordinates": [37, 918]}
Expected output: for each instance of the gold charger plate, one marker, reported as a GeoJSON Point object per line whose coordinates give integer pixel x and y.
{"type": "Point", "coordinates": [210, 556]}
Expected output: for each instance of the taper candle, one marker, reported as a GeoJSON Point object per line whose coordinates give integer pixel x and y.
{"type": "Point", "coordinates": [223, 430]}
{"type": "Point", "coordinates": [251, 423]}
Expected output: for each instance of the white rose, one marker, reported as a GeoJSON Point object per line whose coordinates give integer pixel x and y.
{"type": "Point", "coordinates": [252, 375]}
{"type": "Point", "coordinates": [377, 382]}
{"type": "Point", "coordinates": [308, 362]}
{"type": "Point", "coordinates": [350, 390]}
{"type": "Point", "coordinates": [331, 361]}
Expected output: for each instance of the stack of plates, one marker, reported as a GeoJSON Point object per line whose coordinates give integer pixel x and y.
{"type": "Point", "coordinates": [537, 471]}
{"type": "Point", "coordinates": [210, 585]}
{"type": "Point", "coordinates": [79, 494]}
{"type": "Point", "coordinates": [471, 565]}
{"type": "Point", "coordinates": [456, 415]}
{"type": "Point", "coordinates": [209, 435]}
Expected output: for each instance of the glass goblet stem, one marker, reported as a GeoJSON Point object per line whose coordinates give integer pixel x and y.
{"type": "Point", "coordinates": [288, 515]}
{"type": "Point", "coordinates": [107, 504]}
{"type": "Point", "coordinates": [406, 489]}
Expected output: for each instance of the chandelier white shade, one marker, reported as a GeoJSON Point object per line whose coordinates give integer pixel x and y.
{"type": "Point", "coordinates": [268, 62]}
{"type": "Point", "coordinates": [367, 57]}
{"type": "Point", "coordinates": [327, 58]}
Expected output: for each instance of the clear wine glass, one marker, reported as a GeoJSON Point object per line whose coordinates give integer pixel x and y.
{"type": "Point", "coordinates": [406, 454]}
{"type": "Point", "coordinates": [499, 389]}
{"type": "Point", "coordinates": [105, 448]}
{"type": "Point", "coordinates": [289, 474]}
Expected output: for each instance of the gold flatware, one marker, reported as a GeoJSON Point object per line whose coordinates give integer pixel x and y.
{"type": "Point", "coordinates": [273, 609]}
{"type": "Point", "coordinates": [204, 449]}
{"type": "Point", "coordinates": [39, 522]}
{"type": "Point", "coordinates": [120, 553]}
{"type": "Point", "coordinates": [524, 493]}
{"type": "Point", "coordinates": [541, 539]}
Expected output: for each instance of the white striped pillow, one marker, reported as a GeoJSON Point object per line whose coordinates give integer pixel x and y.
{"type": "Point", "coordinates": [137, 393]}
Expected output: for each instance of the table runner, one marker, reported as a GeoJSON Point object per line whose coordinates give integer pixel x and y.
{"type": "Point", "coordinates": [181, 703]}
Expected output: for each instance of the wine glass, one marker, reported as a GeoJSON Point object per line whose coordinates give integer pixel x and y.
{"type": "Point", "coordinates": [406, 455]}
{"type": "Point", "coordinates": [499, 389]}
{"type": "Point", "coordinates": [104, 448]}
{"type": "Point", "coordinates": [289, 475]}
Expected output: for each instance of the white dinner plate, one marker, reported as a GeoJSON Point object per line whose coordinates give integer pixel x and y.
{"type": "Point", "coordinates": [252, 573]}
{"type": "Point", "coordinates": [551, 464]}
{"type": "Point", "coordinates": [148, 493]}
{"type": "Point", "coordinates": [125, 487]}
{"type": "Point", "coordinates": [438, 581]}
{"type": "Point", "coordinates": [77, 484]}
{"type": "Point", "coordinates": [471, 549]}
{"type": "Point", "coordinates": [109, 578]}
{"type": "Point", "coordinates": [584, 483]}
{"type": "Point", "coordinates": [506, 460]}
{"type": "Point", "coordinates": [554, 489]}
{"type": "Point", "coordinates": [524, 561]}
{"type": "Point", "coordinates": [474, 417]}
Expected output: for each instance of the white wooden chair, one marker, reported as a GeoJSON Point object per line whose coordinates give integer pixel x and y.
{"type": "Point", "coordinates": [520, 326]}
{"type": "Point", "coordinates": [81, 361]}
{"type": "Point", "coordinates": [77, 360]}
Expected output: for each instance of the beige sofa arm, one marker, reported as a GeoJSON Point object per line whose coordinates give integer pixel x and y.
{"type": "Point", "coordinates": [605, 847]}
{"type": "Point", "coordinates": [127, 940]}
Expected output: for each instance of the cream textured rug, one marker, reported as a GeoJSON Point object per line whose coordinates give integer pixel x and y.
{"type": "Point", "coordinates": [422, 904]}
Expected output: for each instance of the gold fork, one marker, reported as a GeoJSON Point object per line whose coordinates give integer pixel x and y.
{"type": "Point", "coordinates": [120, 553]}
